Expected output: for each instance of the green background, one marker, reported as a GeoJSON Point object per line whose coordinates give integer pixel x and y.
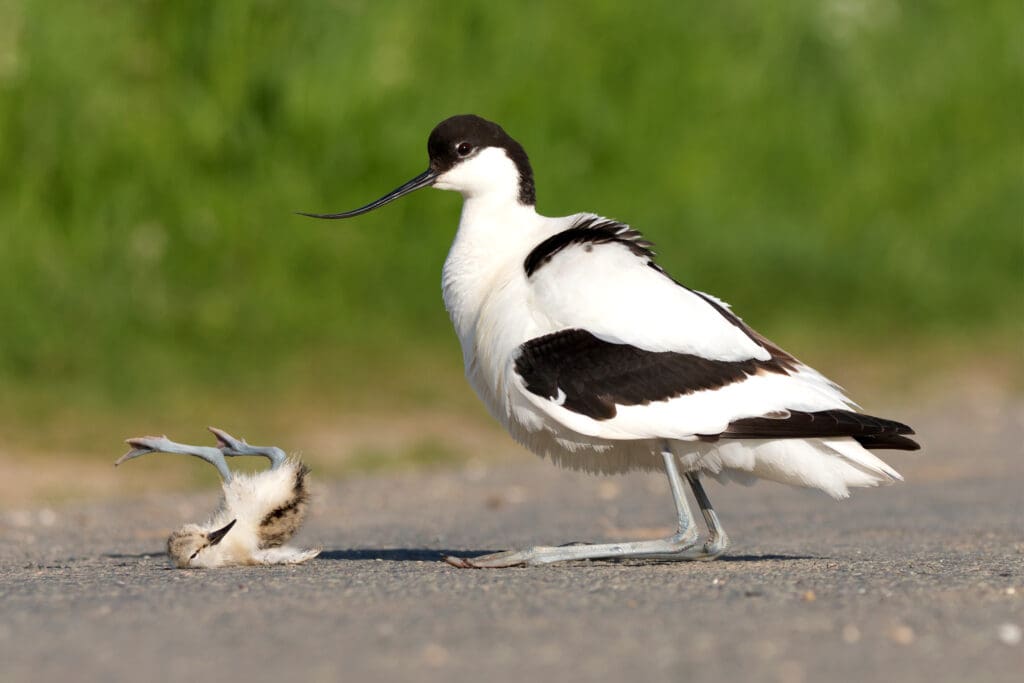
{"type": "Point", "coordinates": [847, 174]}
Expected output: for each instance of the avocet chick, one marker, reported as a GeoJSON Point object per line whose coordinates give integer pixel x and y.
{"type": "Point", "coordinates": [258, 513]}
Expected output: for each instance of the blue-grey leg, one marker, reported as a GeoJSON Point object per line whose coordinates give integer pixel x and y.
{"type": "Point", "coordinates": [227, 446]}
{"type": "Point", "coordinates": [145, 445]}
{"type": "Point", "coordinates": [673, 547]}
{"type": "Point", "coordinates": [718, 540]}
{"type": "Point", "coordinates": [231, 446]}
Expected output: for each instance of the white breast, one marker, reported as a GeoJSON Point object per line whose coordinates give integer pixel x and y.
{"type": "Point", "coordinates": [487, 294]}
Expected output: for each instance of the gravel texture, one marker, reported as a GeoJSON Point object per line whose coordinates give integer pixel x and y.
{"type": "Point", "coordinates": [922, 581]}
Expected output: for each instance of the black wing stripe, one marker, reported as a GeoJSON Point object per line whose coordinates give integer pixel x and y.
{"type": "Point", "coordinates": [589, 230]}
{"type": "Point", "coordinates": [870, 431]}
{"type": "Point", "coordinates": [595, 376]}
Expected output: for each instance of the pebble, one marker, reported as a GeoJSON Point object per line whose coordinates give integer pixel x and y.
{"type": "Point", "coordinates": [608, 490]}
{"type": "Point", "coordinates": [435, 655]}
{"type": "Point", "coordinates": [1010, 634]}
{"type": "Point", "coordinates": [902, 634]}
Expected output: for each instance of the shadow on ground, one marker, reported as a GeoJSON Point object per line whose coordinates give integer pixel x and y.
{"type": "Point", "coordinates": [434, 555]}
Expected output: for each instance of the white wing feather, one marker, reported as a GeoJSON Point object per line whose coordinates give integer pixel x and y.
{"type": "Point", "coordinates": [612, 293]}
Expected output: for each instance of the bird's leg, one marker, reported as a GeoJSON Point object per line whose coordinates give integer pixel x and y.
{"type": "Point", "coordinates": [230, 446]}
{"type": "Point", "coordinates": [674, 547]}
{"type": "Point", "coordinates": [145, 445]}
{"type": "Point", "coordinates": [227, 445]}
{"type": "Point", "coordinates": [718, 540]}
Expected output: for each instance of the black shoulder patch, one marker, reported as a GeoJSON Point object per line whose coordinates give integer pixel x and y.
{"type": "Point", "coordinates": [870, 431]}
{"type": "Point", "coordinates": [588, 230]}
{"type": "Point", "coordinates": [595, 376]}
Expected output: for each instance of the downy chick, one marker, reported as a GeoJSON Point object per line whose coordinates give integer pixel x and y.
{"type": "Point", "coordinates": [258, 513]}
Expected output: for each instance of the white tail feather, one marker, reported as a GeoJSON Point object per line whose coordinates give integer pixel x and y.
{"type": "Point", "coordinates": [862, 457]}
{"type": "Point", "coordinates": [830, 465]}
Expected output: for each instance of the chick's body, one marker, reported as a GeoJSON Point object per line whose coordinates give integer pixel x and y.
{"type": "Point", "coordinates": [264, 509]}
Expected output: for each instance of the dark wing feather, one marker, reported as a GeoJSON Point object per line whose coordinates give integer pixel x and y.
{"type": "Point", "coordinates": [595, 375]}
{"type": "Point", "coordinates": [870, 431]}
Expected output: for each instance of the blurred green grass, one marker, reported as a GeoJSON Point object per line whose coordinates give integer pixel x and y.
{"type": "Point", "coordinates": [847, 173]}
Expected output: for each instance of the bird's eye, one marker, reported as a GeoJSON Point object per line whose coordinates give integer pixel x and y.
{"type": "Point", "coordinates": [464, 149]}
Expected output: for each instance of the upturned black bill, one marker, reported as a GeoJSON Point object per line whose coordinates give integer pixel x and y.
{"type": "Point", "coordinates": [425, 179]}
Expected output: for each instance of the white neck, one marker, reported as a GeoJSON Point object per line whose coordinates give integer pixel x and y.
{"type": "Point", "coordinates": [485, 287]}
{"type": "Point", "coordinates": [495, 234]}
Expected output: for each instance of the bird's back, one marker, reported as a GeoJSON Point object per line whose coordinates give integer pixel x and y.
{"type": "Point", "coordinates": [270, 505]}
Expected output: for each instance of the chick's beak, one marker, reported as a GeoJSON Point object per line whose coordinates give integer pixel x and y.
{"type": "Point", "coordinates": [217, 536]}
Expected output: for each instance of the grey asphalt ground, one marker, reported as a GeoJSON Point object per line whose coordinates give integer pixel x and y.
{"type": "Point", "coordinates": [922, 581]}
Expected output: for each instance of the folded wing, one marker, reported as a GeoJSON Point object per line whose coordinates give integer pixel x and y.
{"type": "Point", "coordinates": [636, 355]}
